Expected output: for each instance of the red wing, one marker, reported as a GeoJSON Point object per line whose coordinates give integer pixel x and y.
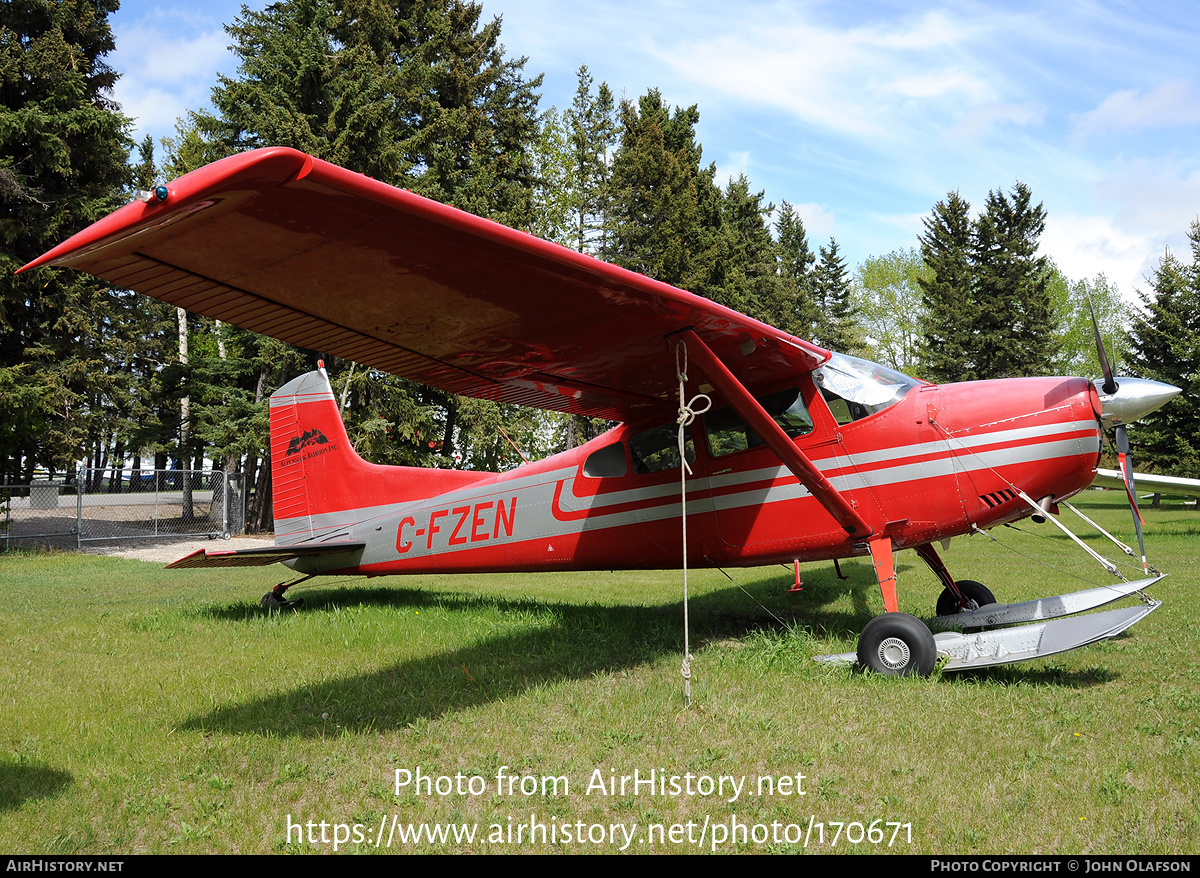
{"type": "Point", "coordinates": [292, 247]}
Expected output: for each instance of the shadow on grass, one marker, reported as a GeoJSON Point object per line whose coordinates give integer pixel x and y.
{"type": "Point", "coordinates": [762, 602]}
{"type": "Point", "coordinates": [582, 641]}
{"type": "Point", "coordinates": [22, 781]}
{"type": "Point", "coordinates": [1025, 675]}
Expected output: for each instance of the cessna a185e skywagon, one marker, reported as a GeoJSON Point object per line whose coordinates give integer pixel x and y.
{"type": "Point", "coordinates": [804, 454]}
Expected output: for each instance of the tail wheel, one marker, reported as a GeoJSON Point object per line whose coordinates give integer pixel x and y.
{"type": "Point", "coordinates": [977, 595]}
{"type": "Point", "coordinates": [897, 644]}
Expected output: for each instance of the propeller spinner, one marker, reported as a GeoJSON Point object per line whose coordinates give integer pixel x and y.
{"type": "Point", "coordinates": [1123, 402]}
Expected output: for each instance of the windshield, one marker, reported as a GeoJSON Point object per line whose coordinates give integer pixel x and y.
{"type": "Point", "coordinates": [866, 387]}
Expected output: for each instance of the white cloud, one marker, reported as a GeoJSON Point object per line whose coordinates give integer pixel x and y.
{"type": "Point", "coordinates": [980, 121]}
{"type": "Point", "coordinates": [819, 222]}
{"type": "Point", "coordinates": [1168, 105]}
{"type": "Point", "coordinates": [735, 164]}
{"type": "Point", "coordinates": [1085, 246]}
{"type": "Point", "coordinates": [940, 83]}
{"type": "Point", "coordinates": [168, 61]}
{"type": "Point", "coordinates": [157, 54]}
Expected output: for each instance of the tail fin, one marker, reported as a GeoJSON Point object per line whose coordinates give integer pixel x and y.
{"type": "Point", "coordinates": [320, 486]}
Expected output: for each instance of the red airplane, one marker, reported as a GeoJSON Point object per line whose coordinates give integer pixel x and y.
{"type": "Point", "coordinates": [804, 454]}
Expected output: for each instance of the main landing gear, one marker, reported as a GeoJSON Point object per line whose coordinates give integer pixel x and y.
{"type": "Point", "coordinates": [973, 631]}
{"type": "Point", "coordinates": [898, 645]}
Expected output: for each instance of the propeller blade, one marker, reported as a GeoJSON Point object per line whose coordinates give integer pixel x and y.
{"type": "Point", "coordinates": [1126, 462]}
{"type": "Point", "coordinates": [1110, 384]}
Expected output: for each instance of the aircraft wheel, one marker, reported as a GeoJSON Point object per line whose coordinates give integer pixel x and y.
{"type": "Point", "coordinates": [271, 601]}
{"type": "Point", "coordinates": [897, 644]}
{"type": "Point", "coordinates": [975, 592]}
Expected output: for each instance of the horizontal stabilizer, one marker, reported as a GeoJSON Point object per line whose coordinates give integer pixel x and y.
{"type": "Point", "coordinates": [262, 557]}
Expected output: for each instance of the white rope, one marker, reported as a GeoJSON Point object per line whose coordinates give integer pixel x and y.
{"type": "Point", "coordinates": [688, 411]}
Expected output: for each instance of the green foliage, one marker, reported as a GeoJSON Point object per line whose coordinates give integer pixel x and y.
{"type": "Point", "coordinates": [673, 223]}
{"type": "Point", "coordinates": [592, 125]}
{"type": "Point", "coordinates": [837, 325]}
{"type": "Point", "coordinates": [948, 321]}
{"type": "Point", "coordinates": [1072, 304]}
{"type": "Point", "coordinates": [63, 149]}
{"type": "Point", "coordinates": [418, 95]}
{"type": "Point", "coordinates": [498, 437]}
{"type": "Point", "coordinates": [663, 216]}
{"type": "Point", "coordinates": [744, 273]}
{"type": "Point", "coordinates": [555, 197]}
{"type": "Point", "coordinates": [391, 420]}
{"type": "Point", "coordinates": [1164, 343]}
{"type": "Point", "coordinates": [887, 297]}
{"type": "Point", "coordinates": [793, 310]}
{"type": "Point", "coordinates": [988, 311]}
{"type": "Point", "coordinates": [1014, 331]}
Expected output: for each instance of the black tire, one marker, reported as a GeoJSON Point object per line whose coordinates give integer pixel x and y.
{"type": "Point", "coordinates": [980, 594]}
{"type": "Point", "coordinates": [271, 601]}
{"type": "Point", "coordinates": [897, 644]}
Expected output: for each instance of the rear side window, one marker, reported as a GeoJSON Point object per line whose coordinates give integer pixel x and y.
{"type": "Point", "coordinates": [728, 434]}
{"type": "Point", "coordinates": [606, 462]}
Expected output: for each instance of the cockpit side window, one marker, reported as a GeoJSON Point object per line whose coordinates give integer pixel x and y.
{"type": "Point", "coordinates": [658, 449]}
{"type": "Point", "coordinates": [728, 434]}
{"type": "Point", "coordinates": [844, 411]}
{"type": "Point", "coordinates": [855, 389]}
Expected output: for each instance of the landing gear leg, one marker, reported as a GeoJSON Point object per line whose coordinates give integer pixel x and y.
{"type": "Point", "coordinates": [895, 644]}
{"type": "Point", "coordinates": [885, 572]}
{"type": "Point", "coordinates": [966, 594]}
{"type": "Point", "coordinates": [274, 599]}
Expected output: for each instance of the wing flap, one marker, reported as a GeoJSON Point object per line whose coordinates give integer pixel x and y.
{"type": "Point", "coordinates": [292, 247]}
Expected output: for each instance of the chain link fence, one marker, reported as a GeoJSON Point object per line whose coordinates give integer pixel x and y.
{"type": "Point", "coordinates": [136, 504]}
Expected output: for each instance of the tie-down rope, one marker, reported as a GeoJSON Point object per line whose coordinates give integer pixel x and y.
{"type": "Point", "coordinates": [697, 405]}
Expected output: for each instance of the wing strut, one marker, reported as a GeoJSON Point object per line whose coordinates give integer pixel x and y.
{"type": "Point", "coordinates": [772, 434]}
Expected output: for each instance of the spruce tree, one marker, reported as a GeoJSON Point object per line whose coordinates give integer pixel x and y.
{"type": "Point", "coordinates": [1164, 344]}
{"type": "Point", "coordinates": [743, 254]}
{"type": "Point", "coordinates": [949, 319]}
{"type": "Point", "coordinates": [1014, 317]}
{"type": "Point", "coordinates": [988, 309]}
{"type": "Point", "coordinates": [793, 310]}
{"type": "Point", "coordinates": [665, 207]}
{"type": "Point", "coordinates": [417, 94]}
{"type": "Point", "coordinates": [593, 134]}
{"type": "Point", "coordinates": [837, 326]}
{"type": "Point", "coordinates": [63, 151]}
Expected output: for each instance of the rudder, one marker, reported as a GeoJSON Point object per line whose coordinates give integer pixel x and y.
{"type": "Point", "coordinates": [320, 486]}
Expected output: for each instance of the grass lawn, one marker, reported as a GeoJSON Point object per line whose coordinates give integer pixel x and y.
{"type": "Point", "coordinates": [152, 711]}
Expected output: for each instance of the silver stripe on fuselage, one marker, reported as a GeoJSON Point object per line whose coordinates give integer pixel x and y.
{"type": "Point", "coordinates": [536, 491]}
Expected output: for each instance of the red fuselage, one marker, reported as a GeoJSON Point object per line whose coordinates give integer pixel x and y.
{"type": "Point", "coordinates": [935, 464]}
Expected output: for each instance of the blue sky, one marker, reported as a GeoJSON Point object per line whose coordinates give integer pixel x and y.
{"type": "Point", "coordinates": [862, 114]}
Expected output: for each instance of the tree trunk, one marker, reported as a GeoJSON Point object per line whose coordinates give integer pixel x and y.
{"type": "Point", "coordinates": [184, 419]}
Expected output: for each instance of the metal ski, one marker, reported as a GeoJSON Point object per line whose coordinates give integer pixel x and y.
{"type": "Point", "coordinates": [1048, 635]}
{"type": "Point", "coordinates": [993, 615]}
{"type": "Point", "coordinates": [1007, 645]}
